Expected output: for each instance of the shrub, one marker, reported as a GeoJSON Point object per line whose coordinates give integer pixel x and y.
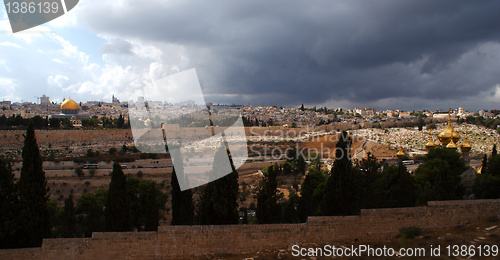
{"type": "Point", "coordinates": [409, 232]}
{"type": "Point", "coordinates": [79, 172]}
{"type": "Point", "coordinates": [112, 150]}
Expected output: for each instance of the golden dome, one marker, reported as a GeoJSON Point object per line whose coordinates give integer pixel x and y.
{"type": "Point", "coordinates": [69, 104]}
{"type": "Point", "coordinates": [451, 145]}
{"type": "Point", "coordinates": [430, 145]}
{"type": "Point", "coordinates": [465, 147]}
{"type": "Point", "coordinates": [479, 170]}
{"type": "Point", "coordinates": [400, 154]}
{"type": "Point", "coordinates": [448, 134]}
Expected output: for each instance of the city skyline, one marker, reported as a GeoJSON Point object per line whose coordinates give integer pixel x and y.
{"type": "Point", "coordinates": [386, 55]}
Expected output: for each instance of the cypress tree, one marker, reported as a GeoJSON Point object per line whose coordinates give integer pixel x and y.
{"type": "Point", "coordinates": [90, 207]}
{"type": "Point", "coordinates": [494, 150]}
{"type": "Point", "coordinates": [151, 221]}
{"type": "Point", "coordinates": [33, 194]}
{"type": "Point", "coordinates": [182, 203]}
{"type": "Point", "coordinates": [267, 200]}
{"type": "Point", "coordinates": [484, 164]}
{"type": "Point", "coordinates": [245, 216]}
{"type": "Point", "coordinates": [290, 213]}
{"type": "Point", "coordinates": [9, 208]}
{"type": "Point", "coordinates": [120, 122]}
{"type": "Point", "coordinates": [68, 218]}
{"type": "Point", "coordinates": [438, 178]}
{"type": "Point", "coordinates": [307, 203]}
{"type": "Point", "coordinates": [369, 170]}
{"type": "Point", "coordinates": [117, 211]}
{"type": "Point", "coordinates": [341, 193]}
{"type": "Point", "coordinates": [219, 200]}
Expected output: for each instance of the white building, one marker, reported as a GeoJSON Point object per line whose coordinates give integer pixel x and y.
{"type": "Point", "coordinates": [44, 100]}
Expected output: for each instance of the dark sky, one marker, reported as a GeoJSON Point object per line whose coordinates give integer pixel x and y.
{"type": "Point", "coordinates": [385, 54]}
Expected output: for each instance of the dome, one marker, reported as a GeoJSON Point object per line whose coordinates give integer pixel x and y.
{"type": "Point", "coordinates": [451, 145]}
{"type": "Point", "coordinates": [69, 104]}
{"type": "Point", "coordinates": [400, 154]}
{"type": "Point", "coordinates": [430, 145]}
{"type": "Point", "coordinates": [465, 147]}
{"type": "Point", "coordinates": [448, 134]}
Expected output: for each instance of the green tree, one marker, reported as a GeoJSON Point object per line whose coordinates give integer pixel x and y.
{"type": "Point", "coordinates": [90, 212]}
{"type": "Point", "coordinates": [112, 150]}
{"type": "Point", "coordinates": [267, 200]}
{"type": "Point", "coordinates": [484, 164]}
{"type": "Point", "coordinates": [341, 191]}
{"type": "Point", "coordinates": [120, 122]}
{"type": "Point", "coordinates": [152, 217]}
{"type": "Point", "coordinates": [55, 214]}
{"type": "Point", "coordinates": [494, 150]}
{"type": "Point", "coordinates": [394, 188]}
{"type": "Point", "coordinates": [90, 153]}
{"type": "Point", "coordinates": [300, 164]}
{"type": "Point", "coordinates": [38, 122]}
{"type": "Point", "coordinates": [182, 203]}
{"type": "Point", "coordinates": [79, 172]}
{"type": "Point", "coordinates": [33, 194]}
{"type": "Point", "coordinates": [68, 219]}
{"type": "Point", "coordinates": [54, 122]}
{"type": "Point", "coordinates": [245, 216]}
{"type": "Point", "coordinates": [9, 207]}
{"type": "Point", "coordinates": [139, 194]}
{"type": "Point", "coordinates": [219, 199]}
{"type": "Point", "coordinates": [287, 168]}
{"type": "Point", "coordinates": [308, 204]}
{"type": "Point", "coordinates": [67, 123]}
{"type": "Point", "coordinates": [438, 178]}
{"type": "Point", "coordinates": [117, 211]}
{"type": "Point", "coordinates": [369, 169]}
{"type": "Point", "coordinates": [290, 208]}
{"type": "Point", "coordinates": [486, 184]}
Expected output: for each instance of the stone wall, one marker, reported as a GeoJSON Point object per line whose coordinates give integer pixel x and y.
{"type": "Point", "coordinates": [14, 139]}
{"type": "Point", "coordinates": [187, 241]}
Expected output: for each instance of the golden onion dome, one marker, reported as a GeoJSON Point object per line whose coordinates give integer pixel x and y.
{"type": "Point", "coordinates": [465, 147]}
{"type": "Point", "coordinates": [69, 104]}
{"type": "Point", "coordinates": [400, 154]}
{"type": "Point", "coordinates": [479, 170]}
{"type": "Point", "coordinates": [448, 134]}
{"type": "Point", "coordinates": [451, 145]}
{"type": "Point", "coordinates": [430, 145]}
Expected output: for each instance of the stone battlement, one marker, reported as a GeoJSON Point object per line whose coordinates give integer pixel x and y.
{"type": "Point", "coordinates": [188, 241]}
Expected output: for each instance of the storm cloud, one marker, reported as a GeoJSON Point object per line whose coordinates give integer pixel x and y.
{"type": "Point", "coordinates": [388, 54]}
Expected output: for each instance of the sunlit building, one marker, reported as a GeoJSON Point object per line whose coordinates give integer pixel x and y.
{"type": "Point", "coordinates": [70, 110]}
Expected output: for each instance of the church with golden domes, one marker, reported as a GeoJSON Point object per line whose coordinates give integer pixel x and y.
{"type": "Point", "coordinates": [70, 110]}
{"type": "Point", "coordinates": [449, 139]}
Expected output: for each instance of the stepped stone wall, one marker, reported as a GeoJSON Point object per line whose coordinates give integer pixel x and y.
{"type": "Point", "coordinates": [188, 241]}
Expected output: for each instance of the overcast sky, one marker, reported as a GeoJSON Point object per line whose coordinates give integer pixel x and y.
{"type": "Point", "coordinates": [384, 54]}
